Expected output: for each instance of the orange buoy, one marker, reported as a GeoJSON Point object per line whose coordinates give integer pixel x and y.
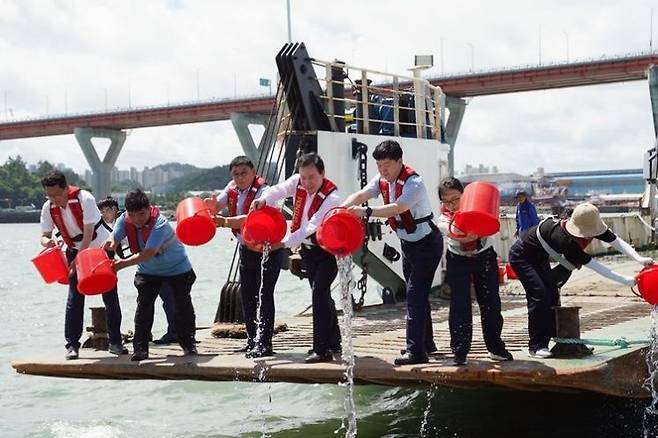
{"type": "Point", "coordinates": [195, 225]}
{"type": "Point", "coordinates": [340, 233]}
{"type": "Point", "coordinates": [479, 209]}
{"type": "Point", "coordinates": [265, 224]}
{"type": "Point", "coordinates": [95, 273]}
{"type": "Point", "coordinates": [51, 264]}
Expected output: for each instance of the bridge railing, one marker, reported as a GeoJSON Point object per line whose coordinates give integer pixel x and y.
{"type": "Point", "coordinates": [383, 103]}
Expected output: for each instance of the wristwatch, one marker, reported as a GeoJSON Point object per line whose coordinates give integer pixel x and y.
{"type": "Point", "coordinates": [368, 211]}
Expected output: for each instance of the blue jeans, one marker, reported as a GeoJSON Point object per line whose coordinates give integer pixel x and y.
{"type": "Point", "coordinates": [482, 271]}
{"type": "Point", "coordinates": [419, 262]}
{"type": "Point", "coordinates": [75, 306]}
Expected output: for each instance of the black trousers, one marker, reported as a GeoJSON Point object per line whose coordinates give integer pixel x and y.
{"type": "Point", "coordinates": [75, 306]}
{"type": "Point", "coordinates": [419, 262]}
{"type": "Point", "coordinates": [250, 286]}
{"type": "Point", "coordinates": [541, 293]}
{"type": "Point", "coordinates": [148, 287]}
{"type": "Point", "coordinates": [321, 269]}
{"type": "Point", "coordinates": [482, 271]}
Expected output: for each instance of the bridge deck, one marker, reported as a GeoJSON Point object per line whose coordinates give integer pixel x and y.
{"type": "Point", "coordinates": [379, 333]}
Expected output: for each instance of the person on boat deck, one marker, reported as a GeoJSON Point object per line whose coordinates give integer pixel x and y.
{"type": "Point", "coordinates": [563, 241]}
{"type": "Point", "coordinates": [75, 215]}
{"type": "Point", "coordinates": [238, 196]}
{"type": "Point", "coordinates": [109, 208]}
{"type": "Point", "coordinates": [160, 259]}
{"type": "Point", "coordinates": [314, 195]}
{"type": "Point", "coordinates": [470, 260]}
{"type": "Point", "coordinates": [409, 213]}
{"type": "Point", "coordinates": [526, 213]}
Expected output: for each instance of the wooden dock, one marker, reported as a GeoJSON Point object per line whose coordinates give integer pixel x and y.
{"type": "Point", "coordinates": [379, 333]}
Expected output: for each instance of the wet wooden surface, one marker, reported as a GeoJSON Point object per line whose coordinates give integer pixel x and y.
{"type": "Point", "coordinates": [607, 312]}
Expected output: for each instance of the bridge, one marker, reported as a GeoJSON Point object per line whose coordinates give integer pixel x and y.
{"type": "Point", "coordinates": [254, 110]}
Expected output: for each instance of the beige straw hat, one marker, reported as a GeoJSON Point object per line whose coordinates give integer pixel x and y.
{"type": "Point", "coordinates": [585, 221]}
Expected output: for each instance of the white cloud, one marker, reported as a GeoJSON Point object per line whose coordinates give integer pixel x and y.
{"type": "Point", "coordinates": [68, 54]}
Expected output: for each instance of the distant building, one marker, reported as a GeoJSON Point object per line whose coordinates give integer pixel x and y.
{"type": "Point", "coordinates": [581, 185]}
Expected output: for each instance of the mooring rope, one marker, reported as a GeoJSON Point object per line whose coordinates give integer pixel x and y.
{"type": "Point", "coordinates": [617, 342]}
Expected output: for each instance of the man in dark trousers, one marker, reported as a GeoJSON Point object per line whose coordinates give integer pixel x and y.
{"type": "Point", "coordinates": [238, 196]}
{"type": "Point", "coordinates": [408, 209]}
{"type": "Point", "coordinates": [75, 215]}
{"type": "Point", "coordinates": [160, 258]}
{"type": "Point", "coordinates": [526, 214]}
{"type": "Point", "coordinates": [314, 196]}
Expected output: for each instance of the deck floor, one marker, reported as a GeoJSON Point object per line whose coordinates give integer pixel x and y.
{"type": "Point", "coordinates": [379, 333]}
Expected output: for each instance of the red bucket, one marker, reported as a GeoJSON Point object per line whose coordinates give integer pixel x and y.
{"type": "Point", "coordinates": [340, 233]}
{"type": "Point", "coordinates": [195, 225]}
{"type": "Point", "coordinates": [266, 224]}
{"type": "Point", "coordinates": [95, 273]}
{"type": "Point", "coordinates": [647, 284]}
{"type": "Point", "coordinates": [479, 209]}
{"type": "Point", "coordinates": [510, 272]}
{"type": "Point", "coordinates": [51, 264]}
{"type": "Point", "coordinates": [501, 274]}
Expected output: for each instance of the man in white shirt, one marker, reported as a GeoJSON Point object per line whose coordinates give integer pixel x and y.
{"type": "Point", "coordinates": [75, 215]}
{"type": "Point", "coordinates": [238, 195]}
{"type": "Point", "coordinates": [314, 196]}
{"type": "Point", "coordinates": [407, 207]}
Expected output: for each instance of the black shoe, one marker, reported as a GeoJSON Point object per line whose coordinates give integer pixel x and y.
{"type": "Point", "coordinates": [166, 339]}
{"type": "Point", "coordinates": [259, 352]}
{"type": "Point", "coordinates": [244, 349]}
{"type": "Point", "coordinates": [190, 350]}
{"type": "Point", "coordinates": [117, 349]}
{"type": "Point", "coordinates": [317, 358]}
{"type": "Point", "coordinates": [411, 359]}
{"type": "Point", "coordinates": [433, 352]}
{"type": "Point", "coordinates": [71, 353]}
{"type": "Point", "coordinates": [139, 355]}
{"type": "Point", "coordinates": [459, 360]}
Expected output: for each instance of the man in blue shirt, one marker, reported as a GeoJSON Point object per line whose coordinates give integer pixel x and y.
{"type": "Point", "coordinates": [407, 207]}
{"type": "Point", "coordinates": [526, 214]}
{"type": "Point", "coordinates": [160, 258]}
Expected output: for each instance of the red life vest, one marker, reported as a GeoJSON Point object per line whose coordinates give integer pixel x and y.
{"type": "Point", "coordinates": [326, 189]}
{"type": "Point", "coordinates": [76, 209]}
{"type": "Point", "coordinates": [407, 219]}
{"type": "Point", "coordinates": [233, 194]}
{"type": "Point", "coordinates": [131, 230]}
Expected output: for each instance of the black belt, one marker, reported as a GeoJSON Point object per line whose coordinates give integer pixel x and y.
{"type": "Point", "coordinates": [421, 220]}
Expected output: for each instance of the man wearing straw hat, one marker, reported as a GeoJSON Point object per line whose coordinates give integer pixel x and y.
{"type": "Point", "coordinates": [562, 241]}
{"type": "Point", "coordinates": [408, 208]}
{"type": "Point", "coordinates": [314, 195]}
{"type": "Point", "coordinates": [238, 196]}
{"type": "Point", "coordinates": [75, 215]}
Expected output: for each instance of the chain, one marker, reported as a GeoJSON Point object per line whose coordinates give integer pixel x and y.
{"type": "Point", "coordinates": [362, 283]}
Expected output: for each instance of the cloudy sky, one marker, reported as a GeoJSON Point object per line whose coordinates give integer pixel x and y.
{"type": "Point", "coordinates": [84, 55]}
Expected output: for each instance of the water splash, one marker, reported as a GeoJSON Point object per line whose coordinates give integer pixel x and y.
{"type": "Point", "coordinates": [266, 407]}
{"type": "Point", "coordinates": [346, 285]}
{"type": "Point", "coordinates": [651, 412]}
{"type": "Point", "coordinates": [424, 425]}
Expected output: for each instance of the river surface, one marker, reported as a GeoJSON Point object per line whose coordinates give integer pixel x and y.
{"type": "Point", "coordinates": [32, 325]}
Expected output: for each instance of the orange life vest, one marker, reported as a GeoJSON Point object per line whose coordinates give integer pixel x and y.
{"type": "Point", "coordinates": [131, 230]}
{"type": "Point", "coordinates": [76, 209]}
{"type": "Point", "coordinates": [232, 194]}
{"type": "Point", "coordinates": [326, 189]}
{"type": "Point", "coordinates": [408, 222]}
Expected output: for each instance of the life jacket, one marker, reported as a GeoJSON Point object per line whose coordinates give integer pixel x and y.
{"type": "Point", "coordinates": [465, 246]}
{"type": "Point", "coordinates": [582, 241]}
{"type": "Point", "coordinates": [233, 194]}
{"type": "Point", "coordinates": [325, 190]}
{"type": "Point", "coordinates": [76, 209]}
{"type": "Point", "coordinates": [131, 230]}
{"type": "Point", "coordinates": [408, 221]}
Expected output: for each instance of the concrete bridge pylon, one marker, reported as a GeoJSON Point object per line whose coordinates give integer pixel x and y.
{"type": "Point", "coordinates": [101, 170]}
